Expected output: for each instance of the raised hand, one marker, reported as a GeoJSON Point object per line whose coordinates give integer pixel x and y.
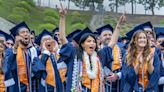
{"type": "Point", "coordinates": [62, 11]}
{"type": "Point", "coordinates": [122, 19]}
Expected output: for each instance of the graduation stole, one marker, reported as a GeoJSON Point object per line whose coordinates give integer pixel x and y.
{"type": "Point", "coordinates": [50, 79]}
{"type": "Point", "coordinates": [2, 85]}
{"type": "Point", "coordinates": [117, 58]}
{"type": "Point", "coordinates": [87, 81]}
{"type": "Point", "coordinates": [140, 74]}
{"type": "Point", "coordinates": [21, 64]}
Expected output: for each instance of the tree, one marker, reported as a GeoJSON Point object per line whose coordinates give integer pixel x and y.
{"type": "Point", "coordinates": [87, 3]}
{"type": "Point", "coordinates": [152, 4]}
{"type": "Point", "coordinates": [116, 4]}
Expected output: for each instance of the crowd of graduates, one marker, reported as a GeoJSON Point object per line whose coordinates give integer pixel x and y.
{"type": "Point", "coordinates": [82, 61]}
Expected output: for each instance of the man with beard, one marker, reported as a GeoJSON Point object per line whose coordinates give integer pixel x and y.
{"type": "Point", "coordinates": [19, 62]}
{"type": "Point", "coordinates": [111, 68]}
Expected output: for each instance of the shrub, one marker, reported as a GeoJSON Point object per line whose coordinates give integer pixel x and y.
{"type": "Point", "coordinates": [15, 18]}
{"type": "Point", "coordinates": [47, 26]}
{"type": "Point", "coordinates": [24, 4]}
{"type": "Point", "coordinates": [78, 26]}
{"type": "Point", "coordinates": [50, 19]}
{"type": "Point", "coordinates": [51, 12]}
{"type": "Point", "coordinates": [76, 13]}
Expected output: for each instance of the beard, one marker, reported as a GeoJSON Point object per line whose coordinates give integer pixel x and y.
{"type": "Point", "coordinates": [106, 42]}
{"type": "Point", "coordinates": [24, 43]}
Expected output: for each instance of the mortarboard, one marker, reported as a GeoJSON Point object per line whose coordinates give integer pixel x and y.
{"type": "Point", "coordinates": [55, 30]}
{"type": "Point", "coordinates": [147, 25]}
{"type": "Point", "coordinates": [129, 35]}
{"type": "Point", "coordinates": [43, 33]}
{"type": "Point", "coordinates": [3, 34]}
{"type": "Point", "coordinates": [162, 44]}
{"type": "Point", "coordinates": [80, 34]}
{"type": "Point", "coordinates": [107, 27]}
{"type": "Point", "coordinates": [14, 31]}
{"type": "Point", "coordinates": [159, 30]}
{"type": "Point", "coordinates": [73, 34]}
{"type": "Point", "coordinates": [160, 35]}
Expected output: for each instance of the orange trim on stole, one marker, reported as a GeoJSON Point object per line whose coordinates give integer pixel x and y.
{"type": "Point", "coordinates": [2, 85]}
{"type": "Point", "coordinates": [62, 72]}
{"type": "Point", "coordinates": [116, 63]}
{"type": "Point", "coordinates": [50, 79]}
{"type": "Point", "coordinates": [21, 62]}
{"type": "Point", "coordinates": [95, 82]}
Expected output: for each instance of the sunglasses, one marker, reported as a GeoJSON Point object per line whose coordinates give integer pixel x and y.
{"type": "Point", "coordinates": [10, 43]}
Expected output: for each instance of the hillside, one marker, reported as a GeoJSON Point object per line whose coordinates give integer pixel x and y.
{"type": "Point", "coordinates": [39, 18]}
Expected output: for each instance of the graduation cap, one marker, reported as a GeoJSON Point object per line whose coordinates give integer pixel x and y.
{"type": "Point", "coordinates": [43, 33]}
{"type": "Point", "coordinates": [9, 37]}
{"type": "Point", "coordinates": [107, 27]}
{"type": "Point", "coordinates": [162, 44]}
{"type": "Point", "coordinates": [159, 30]}
{"type": "Point", "coordinates": [33, 32]}
{"type": "Point", "coordinates": [72, 35]}
{"type": "Point", "coordinates": [160, 35]}
{"type": "Point", "coordinates": [80, 34]}
{"type": "Point", "coordinates": [129, 35]}
{"type": "Point", "coordinates": [6, 36]}
{"type": "Point", "coordinates": [3, 34]}
{"type": "Point", "coordinates": [55, 30]}
{"type": "Point", "coordinates": [147, 25]}
{"type": "Point", "coordinates": [96, 34]}
{"type": "Point", "coordinates": [14, 31]}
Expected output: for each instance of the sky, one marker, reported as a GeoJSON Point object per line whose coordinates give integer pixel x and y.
{"type": "Point", "coordinates": [139, 8]}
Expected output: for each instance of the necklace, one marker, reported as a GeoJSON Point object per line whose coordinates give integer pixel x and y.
{"type": "Point", "coordinates": [92, 73]}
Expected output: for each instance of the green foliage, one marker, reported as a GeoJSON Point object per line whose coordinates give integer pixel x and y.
{"type": "Point", "coordinates": [1, 2]}
{"type": "Point", "coordinates": [162, 22]}
{"type": "Point", "coordinates": [15, 18]}
{"type": "Point", "coordinates": [78, 26]}
{"type": "Point", "coordinates": [22, 12]}
{"type": "Point", "coordinates": [76, 13]}
{"type": "Point", "coordinates": [50, 19]}
{"type": "Point", "coordinates": [24, 4]}
{"type": "Point", "coordinates": [18, 10]}
{"type": "Point", "coordinates": [110, 21]}
{"type": "Point", "coordinates": [30, 2]}
{"type": "Point", "coordinates": [47, 26]}
{"type": "Point", "coordinates": [51, 12]}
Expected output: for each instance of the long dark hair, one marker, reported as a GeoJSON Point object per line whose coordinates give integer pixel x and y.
{"type": "Point", "coordinates": [81, 41]}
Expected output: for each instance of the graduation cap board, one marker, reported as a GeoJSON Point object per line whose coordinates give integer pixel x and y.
{"type": "Point", "coordinates": [80, 34]}
{"type": "Point", "coordinates": [147, 26]}
{"type": "Point", "coordinates": [14, 31]}
{"type": "Point", "coordinates": [55, 30]}
{"type": "Point", "coordinates": [72, 35]}
{"type": "Point", "coordinates": [129, 35]}
{"type": "Point", "coordinates": [107, 27]}
{"type": "Point", "coordinates": [41, 35]}
{"type": "Point", "coordinates": [6, 36]}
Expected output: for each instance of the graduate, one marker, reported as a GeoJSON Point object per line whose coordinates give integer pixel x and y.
{"type": "Point", "coordinates": [19, 61]}
{"type": "Point", "coordinates": [114, 65]}
{"type": "Point", "coordinates": [160, 45]}
{"type": "Point", "coordinates": [2, 52]}
{"type": "Point", "coordinates": [141, 64]}
{"type": "Point", "coordinates": [49, 56]}
{"type": "Point", "coordinates": [84, 68]}
{"type": "Point", "coordinates": [55, 33]}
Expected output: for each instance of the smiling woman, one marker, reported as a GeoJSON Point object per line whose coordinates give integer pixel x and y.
{"type": "Point", "coordinates": [141, 64]}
